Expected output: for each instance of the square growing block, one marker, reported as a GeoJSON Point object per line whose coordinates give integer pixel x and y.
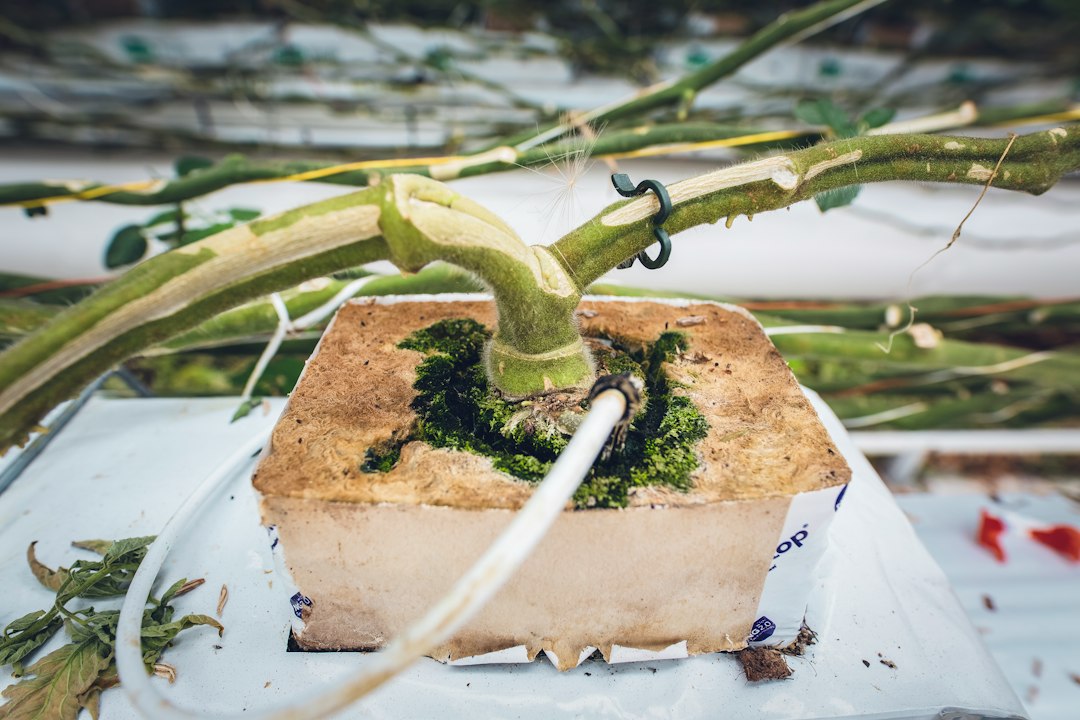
{"type": "Point", "coordinates": [726, 563]}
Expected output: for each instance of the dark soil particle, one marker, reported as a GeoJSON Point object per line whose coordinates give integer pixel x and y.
{"type": "Point", "coordinates": [763, 663]}
{"type": "Point", "coordinates": [457, 409]}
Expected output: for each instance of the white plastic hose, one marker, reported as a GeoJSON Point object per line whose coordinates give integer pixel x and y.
{"type": "Point", "coordinates": [466, 598]}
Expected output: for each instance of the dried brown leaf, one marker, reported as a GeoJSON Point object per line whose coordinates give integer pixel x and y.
{"type": "Point", "coordinates": [45, 575]}
{"type": "Point", "coordinates": [189, 586]}
{"type": "Point", "coordinates": [91, 702]}
{"type": "Point", "coordinates": [223, 597]}
{"type": "Point", "coordinates": [165, 670]}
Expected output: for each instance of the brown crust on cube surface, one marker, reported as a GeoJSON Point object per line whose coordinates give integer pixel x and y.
{"type": "Point", "coordinates": [356, 392]}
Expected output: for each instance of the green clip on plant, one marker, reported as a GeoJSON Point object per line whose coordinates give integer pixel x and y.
{"type": "Point", "coordinates": [414, 221]}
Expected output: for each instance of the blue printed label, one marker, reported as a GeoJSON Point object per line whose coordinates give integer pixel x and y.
{"type": "Point", "coordinates": [299, 602]}
{"type": "Point", "coordinates": [762, 630]}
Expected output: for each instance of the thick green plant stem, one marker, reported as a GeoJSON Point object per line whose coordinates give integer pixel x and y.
{"type": "Point", "coordinates": [536, 344]}
{"type": "Point", "coordinates": [1032, 164]}
{"type": "Point", "coordinates": [409, 220]}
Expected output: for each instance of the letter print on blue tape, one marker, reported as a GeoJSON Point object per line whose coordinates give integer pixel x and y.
{"type": "Point", "coordinates": [299, 602]}
{"type": "Point", "coordinates": [797, 540]}
{"type": "Point", "coordinates": [762, 630]}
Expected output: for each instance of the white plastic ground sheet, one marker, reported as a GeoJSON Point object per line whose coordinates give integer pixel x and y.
{"type": "Point", "coordinates": [122, 466]}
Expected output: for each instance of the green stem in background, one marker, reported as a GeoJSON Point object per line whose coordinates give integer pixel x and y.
{"type": "Point", "coordinates": [789, 27]}
{"type": "Point", "coordinates": [500, 156]}
{"type": "Point", "coordinates": [236, 169]}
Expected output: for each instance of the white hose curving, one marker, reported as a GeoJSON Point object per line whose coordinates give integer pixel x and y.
{"type": "Point", "coordinates": [466, 598]}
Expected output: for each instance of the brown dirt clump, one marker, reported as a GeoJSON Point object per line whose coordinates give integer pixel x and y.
{"type": "Point", "coordinates": [763, 663]}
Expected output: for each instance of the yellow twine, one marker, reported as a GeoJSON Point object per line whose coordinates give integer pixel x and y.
{"type": "Point", "coordinates": [670, 149]}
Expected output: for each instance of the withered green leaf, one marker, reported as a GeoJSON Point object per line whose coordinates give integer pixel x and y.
{"type": "Point", "coordinates": [54, 684]}
{"type": "Point", "coordinates": [59, 685]}
{"type": "Point", "coordinates": [128, 549]}
{"type": "Point", "coordinates": [25, 635]}
{"type": "Point", "coordinates": [52, 579]}
{"type": "Point", "coordinates": [156, 638]}
{"type": "Point", "coordinates": [110, 576]}
{"type": "Point", "coordinates": [245, 408]}
{"type": "Point", "coordinates": [98, 546]}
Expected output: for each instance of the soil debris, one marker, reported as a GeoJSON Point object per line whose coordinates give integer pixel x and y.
{"type": "Point", "coordinates": [189, 586]}
{"type": "Point", "coordinates": [690, 320]}
{"type": "Point", "coordinates": [763, 663]}
{"type": "Point", "coordinates": [804, 639]}
{"type": "Point", "coordinates": [165, 670]}
{"type": "Point", "coordinates": [988, 603]}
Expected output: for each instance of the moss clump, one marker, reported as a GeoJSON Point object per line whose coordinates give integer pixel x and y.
{"type": "Point", "coordinates": [375, 461]}
{"type": "Point", "coordinates": [457, 409]}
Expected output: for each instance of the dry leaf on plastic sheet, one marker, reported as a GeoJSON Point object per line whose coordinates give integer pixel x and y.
{"type": "Point", "coordinates": [65, 681]}
{"type": "Point", "coordinates": [52, 579]}
{"type": "Point", "coordinates": [55, 684]}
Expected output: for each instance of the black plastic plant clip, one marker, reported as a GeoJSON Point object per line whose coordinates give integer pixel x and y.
{"type": "Point", "coordinates": [624, 187]}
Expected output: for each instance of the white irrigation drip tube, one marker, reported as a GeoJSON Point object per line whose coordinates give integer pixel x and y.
{"type": "Point", "coordinates": [466, 598]}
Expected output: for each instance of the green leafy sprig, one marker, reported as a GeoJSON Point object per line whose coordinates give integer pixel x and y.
{"type": "Point", "coordinates": [175, 227]}
{"type": "Point", "coordinates": [72, 677]}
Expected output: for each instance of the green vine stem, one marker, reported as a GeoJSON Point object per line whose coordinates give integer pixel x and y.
{"type": "Point", "coordinates": [1033, 164]}
{"type": "Point", "coordinates": [414, 221]}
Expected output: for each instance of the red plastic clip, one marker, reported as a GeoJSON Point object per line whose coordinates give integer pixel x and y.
{"type": "Point", "coordinates": [989, 534]}
{"type": "Point", "coordinates": [1062, 539]}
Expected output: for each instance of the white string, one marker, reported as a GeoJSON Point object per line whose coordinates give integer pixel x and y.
{"type": "Point", "coordinates": [288, 326]}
